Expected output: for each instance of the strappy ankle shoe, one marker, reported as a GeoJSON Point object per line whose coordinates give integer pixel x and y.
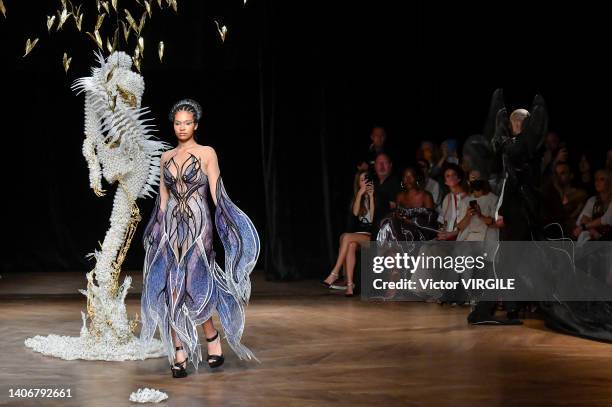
{"type": "Point", "coordinates": [352, 287]}
{"type": "Point", "coordinates": [179, 369]}
{"type": "Point", "coordinates": [215, 360]}
{"type": "Point", "coordinates": [328, 285]}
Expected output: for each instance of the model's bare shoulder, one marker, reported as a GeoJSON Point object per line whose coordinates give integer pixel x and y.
{"type": "Point", "coordinates": [207, 153]}
{"type": "Point", "coordinates": [166, 155]}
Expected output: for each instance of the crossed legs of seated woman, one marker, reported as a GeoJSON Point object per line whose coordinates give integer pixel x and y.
{"type": "Point", "coordinates": [347, 257]}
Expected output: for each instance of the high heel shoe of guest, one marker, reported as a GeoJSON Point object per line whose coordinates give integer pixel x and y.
{"type": "Point", "coordinates": [352, 287]}
{"type": "Point", "coordinates": [328, 285]}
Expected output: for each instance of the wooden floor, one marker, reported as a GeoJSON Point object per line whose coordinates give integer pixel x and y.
{"type": "Point", "coordinates": [317, 348]}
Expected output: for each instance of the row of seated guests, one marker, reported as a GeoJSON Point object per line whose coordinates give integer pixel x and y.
{"type": "Point", "coordinates": [375, 198]}
{"type": "Point", "coordinates": [467, 208]}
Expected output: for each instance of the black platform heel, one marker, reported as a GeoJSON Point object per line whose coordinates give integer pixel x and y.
{"type": "Point", "coordinates": [215, 360]}
{"type": "Point", "coordinates": [179, 369]}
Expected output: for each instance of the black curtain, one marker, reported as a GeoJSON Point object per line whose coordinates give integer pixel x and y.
{"type": "Point", "coordinates": [289, 100]}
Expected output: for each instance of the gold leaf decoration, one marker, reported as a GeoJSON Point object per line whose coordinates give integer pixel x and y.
{"type": "Point", "coordinates": [141, 45]}
{"type": "Point", "coordinates": [136, 62]}
{"type": "Point", "coordinates": [106, 6]}
{"type": "Point", "coordinates": [97, 38]}
{"type": "Point", "coordinates": [50, 21]}
{"type": "Point", "coordinates": [114, 4]}
{"type": "Point", "coordinates": [78, 21]}
{"type": "Point", "coordinates": [128, 97]}
{"type": "Point", "coordinates": [160, 51]}
{"type": "Point", "coordinates": [126, 31]}
{"type": "Point", "coordinates": [30, 46]}
{"type": "Point", "coordinates": [2, 8]}
{"type": "Point", "coordinates": [66, 62]}
{"type": "Point", "coordinates": [222, 31]}
{"type": "Point", "coordinates": [100, 21]}
{"type": "Point", "coordinates": [143, 18]}
{"type": "Point", "coordinates": [131, 20]}
{"type": "Point", "coordinates": [63, 16]}
{"type": "Point", "coordinates": [148, 7]}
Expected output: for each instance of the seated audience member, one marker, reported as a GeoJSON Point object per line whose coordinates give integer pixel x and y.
{"type": "Point", "coordinates": [413, 195]}
{"type": "Point", "coordinates": [386, 188]}
{"type": "Point", "coordinates": [454, 180]}
{"type": "Point", "coordinates": [363, 208]}
{"type": "Point", "coordinates": [378, 138]}
{"type": "Point", "coordinates": [594, 208]}
{"type": "Point", "coordinates": [477, 213]}
{"type": "Point", "coordinates": [431, 185]}
{"type": "Point", "coordinates": [572, 198]}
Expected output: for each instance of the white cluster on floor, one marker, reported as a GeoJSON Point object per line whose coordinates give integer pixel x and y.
{"type": "Point", "coordinates": [72, 348]}
{"type": "Point", "coordinates": [118, 145]}
{"type": "Point", "coordinates": [147, 395]}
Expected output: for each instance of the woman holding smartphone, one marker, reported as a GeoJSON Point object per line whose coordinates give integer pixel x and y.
{"type": "Point", "coordinates": [362, 208]}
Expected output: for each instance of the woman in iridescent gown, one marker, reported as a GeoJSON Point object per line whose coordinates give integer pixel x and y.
{"type": "Point", "coordinates": [183, 285]}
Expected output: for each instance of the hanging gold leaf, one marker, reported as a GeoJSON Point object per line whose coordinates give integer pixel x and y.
{"type": "Point", "coordinates": [136, 62]}
{"type": "Point", "coordinates": [114, 4]}
{"type": "Point", "coordinates": [66, 61]}
{"type": "Point", "coordinates": [131, 20]}
{"type": "Point", "coordinates": [126, 31]}
{"type": "Point", "coordinates": [50, 21]}
{"type": "Point", "coordinates": [222, 31]}
{"type": "Point", "coordinates": [106, 6]}
{"type": "Point", "coordinates": [100, 21]}
{"type": "Point", "coordinates": [137, 52]}
{"type": "Point", "coordinates": [143, 18]}
{"type": "Point", "coordinates": [98, 5]}
{"type": "Point", "coordinates": [148, 7]}
{"type": "Point", "coordinates": [2, 8]}
{"type": "Point", "coordinates": [138, 1]}
{"type": "Point", "coordinates": [112, 46]}
{"type": "Point", "coordinates": [174, 5]}
{"type": "Point", "coordinates": [78, 21]}
{"type": "Point", "coordinates": [160, 51]}
{"type": "Point", "coordinates": [159, 3]}
{"type": "Point", "coordinates": [63, 3]}
{"type": "Point", "coordinates": [30, 46]}
{"type": "Point", "coordinates": [97, 38]}
{"type": "Point", "coordinates": [141, 45]}
{"type": "Point", "coordinates": [63, 16]}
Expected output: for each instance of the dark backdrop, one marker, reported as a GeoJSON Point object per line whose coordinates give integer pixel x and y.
{"type": "Point", "coordinates": [289, 99]}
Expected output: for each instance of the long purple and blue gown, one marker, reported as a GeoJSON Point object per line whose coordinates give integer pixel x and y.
{"type": "Point", "coordinates": [179, 258]}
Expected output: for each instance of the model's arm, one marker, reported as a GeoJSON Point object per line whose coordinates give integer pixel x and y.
{"type": "Point", "coordinates": [211, 165]}
{"type": "Point", "coordinates": [163, 190]}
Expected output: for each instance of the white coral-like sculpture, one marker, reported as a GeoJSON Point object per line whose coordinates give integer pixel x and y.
{"type": "Point", "coordinates": [147, 395]}
{"type": "Point", "coordinates": [118, 145]}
